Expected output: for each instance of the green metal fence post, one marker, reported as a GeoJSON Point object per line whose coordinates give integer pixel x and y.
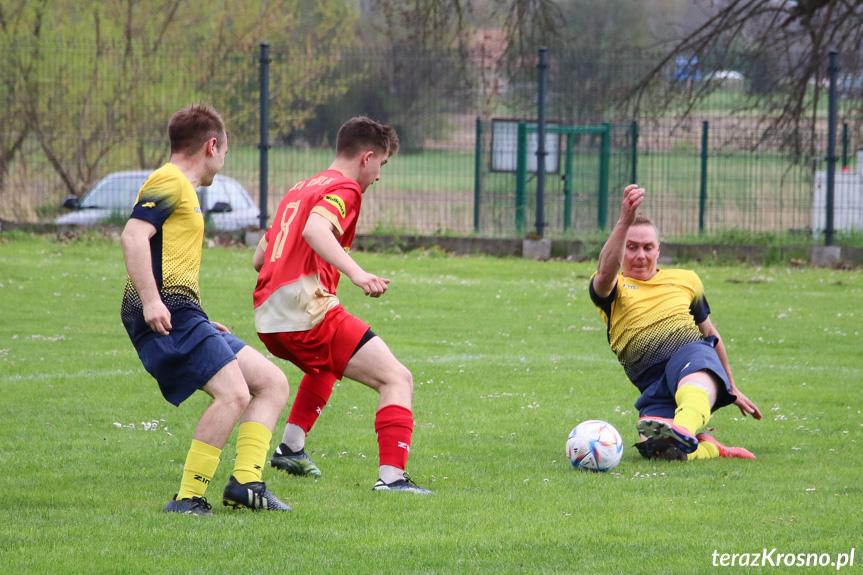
{"type": "Point", "coordinates": [844, 146]}
{"type": "Point", "coordinates": [602, 194]}
{"type": "Point", "coordinates": [832, 110]}
{"type": "Point", "coordinates": [634, 130]}
{"type": "Point", "coordinates": [702, 199]}
{"type": "Point", "coordinates": [540, 142]}
{"type": "Point", "coordinates": [477, 175]}
{"type": "Point", "coordinates": [521, 179]}
{"type": "Point", "coordinates": [264, 146]}
{"type": "Point", "coordinates": [567, 181]}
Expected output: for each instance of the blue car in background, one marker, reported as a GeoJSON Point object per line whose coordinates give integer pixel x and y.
{"type": "Point", "coordinates": [225, 203]}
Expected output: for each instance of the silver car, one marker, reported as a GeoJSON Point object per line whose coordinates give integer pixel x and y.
{"type": "Point", "coordinates": [225, 203]}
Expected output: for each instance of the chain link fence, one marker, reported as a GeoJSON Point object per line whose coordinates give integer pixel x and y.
{"type": "Point", "coordinates": [78, 112]}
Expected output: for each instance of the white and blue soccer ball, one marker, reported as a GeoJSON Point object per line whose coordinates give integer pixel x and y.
{"type": "Point", "coordinates": [594, 445]}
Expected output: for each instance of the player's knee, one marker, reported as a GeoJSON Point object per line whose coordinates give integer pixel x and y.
{"type": "Point", "coordinates": [398, 380]}
{"type": "Point", "coordinates": [236, 400]}
{"type": "Point", "coordinates": [406, 379]}
{"type": "Point", "coordinates": [272, 384]}
{"type": "Point", "coordinates": [278, 382]}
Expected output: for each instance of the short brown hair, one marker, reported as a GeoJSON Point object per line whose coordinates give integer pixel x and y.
{"type": "Point", "coordinates": [360, 134]}
{"type": "Point", "coordinates": [192, 126]}
{"type": "Point", "coordinates": [642, 220]}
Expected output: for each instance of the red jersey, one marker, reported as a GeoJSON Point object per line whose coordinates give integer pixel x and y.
{"type": "Point", "coordinates": [296, 287]}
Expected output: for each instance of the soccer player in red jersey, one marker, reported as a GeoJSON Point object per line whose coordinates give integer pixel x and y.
{"type": "Point", "coordinates": [299, 318]}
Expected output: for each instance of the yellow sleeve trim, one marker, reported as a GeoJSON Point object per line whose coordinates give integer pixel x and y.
{"type": "Point", "coordinates": [330, 217]}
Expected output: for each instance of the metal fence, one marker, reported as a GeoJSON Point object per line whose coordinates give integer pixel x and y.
{"type": "Point", "coordinates": [77, 112]}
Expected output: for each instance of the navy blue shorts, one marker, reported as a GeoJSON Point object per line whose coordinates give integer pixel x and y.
{"type": "Point", "coordinates": [188, 357]}
{"type": "Point", "coordinates": [657, 400]}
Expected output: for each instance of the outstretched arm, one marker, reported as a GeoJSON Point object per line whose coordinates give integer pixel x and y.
{"type": "Point", "coordinates": [611, 256]}
{"type": "Point", "coordinates": [746, 406]}
{"type": "Point", "coordinates": [320, 235]}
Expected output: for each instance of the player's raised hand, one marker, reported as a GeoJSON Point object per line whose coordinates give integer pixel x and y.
{"type": "Point", "coordinates": [632, 198]}
{"type": "Point", "coordinates": [372, 285]}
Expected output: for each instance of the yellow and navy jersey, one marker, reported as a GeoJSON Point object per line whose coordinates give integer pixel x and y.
{"type": "Point", "coordinates": [169, 202]}
{"type": "Point", "coordinates": [647, 321]}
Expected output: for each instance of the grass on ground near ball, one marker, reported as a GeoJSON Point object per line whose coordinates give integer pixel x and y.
{"type": "Point", "coordinates": [507, 356]}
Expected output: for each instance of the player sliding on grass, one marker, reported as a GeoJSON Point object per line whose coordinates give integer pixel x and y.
{"type": "Point", "coordinates": [299, 317]}
{"type": "Point", "coordinates": [659, 327]}
{"type": "Point", "coordinates": [176, 341]}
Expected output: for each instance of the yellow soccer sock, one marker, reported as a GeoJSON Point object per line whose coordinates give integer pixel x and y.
{"type": "Point", "coordinates": [704, 450]}
{"type": "Point", "coordinates": [253, 443]}
{"type": "Point", "coordinates": [201, 464]}
{"type": "Point", "coordinates": [693, 408]}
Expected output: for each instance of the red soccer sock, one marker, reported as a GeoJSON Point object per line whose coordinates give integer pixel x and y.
{"type": "Point", "coordinates": [394, 425]}
{"type": "Point", "coordinates": [312, 396]}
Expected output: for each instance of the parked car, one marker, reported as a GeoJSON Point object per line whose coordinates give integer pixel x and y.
{"type": "Point", "coordinates": [225, 203]}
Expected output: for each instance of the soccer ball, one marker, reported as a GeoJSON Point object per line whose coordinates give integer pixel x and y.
{"type": "Point", "coordinates": [595, 445]}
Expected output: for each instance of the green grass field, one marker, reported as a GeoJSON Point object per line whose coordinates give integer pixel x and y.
{"type": "Point", "coordinates": [507, 355]}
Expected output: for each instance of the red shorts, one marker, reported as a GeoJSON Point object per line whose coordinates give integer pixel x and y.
{"type": "Point", "coordinates": [326, 347]}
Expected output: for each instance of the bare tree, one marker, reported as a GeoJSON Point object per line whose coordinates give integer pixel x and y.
{"type": "Point", "coordinates": [782, 49]}
{"type": "Point", "coordinates": [15, 128]}
{"type": "Point", "coordinates": [445, 25]}
{"type": "Point", "coordinates": [95, 83]}
{"type": "Point", "coordinates": [780, 46]}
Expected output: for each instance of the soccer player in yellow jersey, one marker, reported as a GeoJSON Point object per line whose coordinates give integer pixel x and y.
{"type": "Point", "coordinates": [658, 325]}
{"type": "Point", "coordinates": [176, 341]}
